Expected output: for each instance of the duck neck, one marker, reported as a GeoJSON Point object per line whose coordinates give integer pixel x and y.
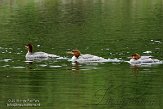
{"type": "Point", "coordinates": [30, 49]}
{"type": "Point", "coordinates": [29, 52]}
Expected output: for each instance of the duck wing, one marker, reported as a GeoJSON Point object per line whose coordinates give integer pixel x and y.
{"type": "Point", "coordinates": [39, 55]}
{"type": "Point", "coordinates": [146, 57]}
{"type": "Point", "coordinates": [53, 56]}
{"type": "Point", "coordinates": [91, 58]}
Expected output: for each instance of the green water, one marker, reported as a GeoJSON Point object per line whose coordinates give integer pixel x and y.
{"type": "Point", "coordinates": [106, 28]}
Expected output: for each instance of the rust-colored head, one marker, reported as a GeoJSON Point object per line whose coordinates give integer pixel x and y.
{"type": "Point", "coordinates": [75, 52]}
{"type": "Point", "coordinates": [135, 56]}
{"type": "Point", "coordinates": [29, 47]}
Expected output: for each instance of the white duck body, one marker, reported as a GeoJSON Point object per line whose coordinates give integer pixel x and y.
{"type": "Point", "coordinates": [145, 60]}
{"type": "Point", "coordinates": [39, 56]}
{"type": "Point", "coordinates": [88, 58]}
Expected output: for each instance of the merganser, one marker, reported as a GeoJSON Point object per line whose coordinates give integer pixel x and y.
{"type": "Point", "coordinates": [37, 55]}
{"type": "Point", "coordinates": [88, 58]}
{"type": "Point", "coordinates": [137, 59]}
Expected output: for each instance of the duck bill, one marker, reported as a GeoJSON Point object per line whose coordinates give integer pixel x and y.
{"type": "Point", "coordinates": [26, 47]}
{"type": "Point", "coordinates": [69, 52]}
{"type": "Point", "coordinates": [130, 57]}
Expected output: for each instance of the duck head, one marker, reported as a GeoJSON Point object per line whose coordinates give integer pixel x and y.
{"type": "Point", "coordinates": [135, 56]}
{"type": "Point", "coordinates": [75, 53]}
{"type": "Point", "coordinates": [29, 47]}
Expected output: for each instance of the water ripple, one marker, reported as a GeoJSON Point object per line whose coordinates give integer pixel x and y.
{"type": "Point", "coordinates": [6, 60]}
{"type": "Point", "coordinates": [55, 66]}
{"type": "Point", "coordinates": [18, 67]}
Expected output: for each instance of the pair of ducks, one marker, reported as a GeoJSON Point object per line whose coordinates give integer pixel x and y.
{"type": "Point", "coordinates": [78, 57]}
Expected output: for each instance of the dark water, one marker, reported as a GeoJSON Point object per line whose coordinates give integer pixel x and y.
{"type": "Point", "coordinates": [106, 28]}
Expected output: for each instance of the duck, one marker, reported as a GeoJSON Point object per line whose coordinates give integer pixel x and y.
{"type": "Point", "coordinates": [87, 58]}
{"type": "Point", "coordinates": [138, 59]}
{"type": "Point", "coordinates": [30, 55]}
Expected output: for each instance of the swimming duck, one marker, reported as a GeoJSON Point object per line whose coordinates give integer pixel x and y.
{"type": "Point", "coordinates": [137, 59]}
{"type": "Point", "coordinates": [37, 55]}
{"type": "Point", "coordinates": [87, 58]}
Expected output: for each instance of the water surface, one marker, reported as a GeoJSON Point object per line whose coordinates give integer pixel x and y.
{"type": "Point", "coordinates": [106, 28]}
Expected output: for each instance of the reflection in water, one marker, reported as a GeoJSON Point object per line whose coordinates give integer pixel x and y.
{"type": "Point", "coordinates": [85, 66]}
{"type": "Point", "coordinates": [29, 65]}
{"type": "Point", "coordinates": [123, 95]}
{"type": "Point", "coordinates": [76, 66]}
{"type": "Point", "coordinates": [135, 70]}
{"type": "Point", "coordinates": [105, 28]}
